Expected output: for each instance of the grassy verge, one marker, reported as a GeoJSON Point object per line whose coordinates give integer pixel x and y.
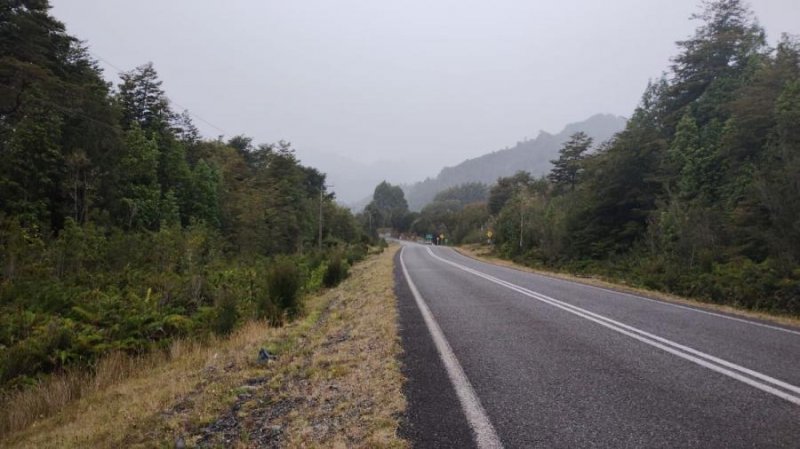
{"type": "Point", "coordinates": [336, 383]}
{"type": "Point", "coordinates": [483, 253]}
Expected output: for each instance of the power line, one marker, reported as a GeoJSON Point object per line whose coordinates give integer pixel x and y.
{"type": "Point", "coordinates": [45, 23]}
{"type": "Point", "coordinates": [194, 115]}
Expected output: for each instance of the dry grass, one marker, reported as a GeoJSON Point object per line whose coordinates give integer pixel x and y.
{"type": "Point", "coordinates": [348, 391]}
{"type": "Point", "coordinates": [20, 409]}
{"type": "Point", "coordinates": [481, 252]}
{"type": "Point", "coordinates": [336, 383]}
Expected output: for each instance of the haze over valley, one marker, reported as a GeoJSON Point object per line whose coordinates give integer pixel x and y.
{"type": "Point", "coordinates": [451, 224]}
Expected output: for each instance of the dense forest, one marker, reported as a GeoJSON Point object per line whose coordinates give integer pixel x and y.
{"type": "Point", "coordinates": [122, 229]}
{"type": "Point", "coordinates": [699, 195]}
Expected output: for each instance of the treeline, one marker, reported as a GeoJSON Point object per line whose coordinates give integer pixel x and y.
{"type": "Point", "coordinates": [121, 228]}
{"type": "Point", "coordinates": [699, 195]}
{"type": "Point", "coordinates": [458, 213]}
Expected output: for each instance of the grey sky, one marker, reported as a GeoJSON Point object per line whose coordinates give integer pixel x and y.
{"type": "Point", "coordinates": [399, 81]}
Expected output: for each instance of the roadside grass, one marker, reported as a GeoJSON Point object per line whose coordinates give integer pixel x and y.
{"type": "Point", "coordinates": [336, 382]}
{"type": "Point", "coordinates": [481, 252]}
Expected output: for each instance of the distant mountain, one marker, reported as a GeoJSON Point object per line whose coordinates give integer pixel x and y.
{"type": "Point", "coordinates": [533, 155]}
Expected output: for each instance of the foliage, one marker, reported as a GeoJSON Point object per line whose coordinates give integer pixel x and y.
{"type": "Point", "coordinates": [568, 167]}
{"type": "Point", "coordinates": [506, 188]}
{"type": "Point", "coordinates": [120, 227]}
{"type": "Point", "coordinates": [468, 193]}
{"type": "Point", "coordinates": [335, 271]}
{"type": "Point", "coordinates": [284, 283]}
{"type": "Point", "coordinates": [388, 208]}
{"type": "Point", "coordinates": [699, 195]}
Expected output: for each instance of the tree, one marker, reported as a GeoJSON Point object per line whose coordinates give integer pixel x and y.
{"type": "Point", "coordinates": [57, 125]}
{"type": "Point", "coordinates": [467, 193]}
{"type": "Point", "coordinates": [778, 183]}
{"type": "Point", "coordinates": [143, 101]}
{"type": "Point", "coordinates": [505, 189]}
{"type": "Point", "coordinates": [204, 199]}
{"type": "Point", "coordinates": [695, 163]}
{"type": "Point", "coordinates": [715, 59]}
{"type": "Point", "coordinates": [567, 168]}
{"type": "Point", "coordinates": [620, 188]}
{"type": "Point", "coordinates": [137, 194]}
{"type": "Point", "coordinates": [388, 207]}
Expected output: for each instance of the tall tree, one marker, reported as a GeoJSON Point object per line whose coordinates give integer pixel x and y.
{"type": "Point", "coordinates": [57, 126]}
{"type": "Point", "coordinates": [388, 206]}
{"type": "Point", "coordinates": [567, 168]}
{"type": "Point", "coordinates": [715, 59]}
{"type": "Point", "coordinates": [143, 101]}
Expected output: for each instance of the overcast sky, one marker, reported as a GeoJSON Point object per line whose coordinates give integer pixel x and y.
{"type": "Point", "coordinates": [411, 80]}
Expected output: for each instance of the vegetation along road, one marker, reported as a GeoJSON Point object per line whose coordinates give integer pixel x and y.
{"type": "Point", "coordinates": [502, 358]}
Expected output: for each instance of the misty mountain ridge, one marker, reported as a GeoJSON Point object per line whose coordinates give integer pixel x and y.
{"type": "Point", "coordinates": [532, 155]}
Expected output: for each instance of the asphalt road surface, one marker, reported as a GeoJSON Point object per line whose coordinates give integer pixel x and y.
{"type": "Point", "coordinates": [496, 357]}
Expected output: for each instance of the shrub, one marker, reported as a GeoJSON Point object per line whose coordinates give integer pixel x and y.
{"type": "Point", "coordinates": [356, 253]}
{"type": "Point", "coordinates": [283, 282]}
{"type": "Point", "coordinates": [335, 272]}
{"type": "Point", "coordinates": [227, 314]}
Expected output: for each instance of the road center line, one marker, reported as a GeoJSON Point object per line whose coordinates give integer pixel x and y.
{"type": "Point", "coordinates": [706, 360]}
{"type": "Point", "coordinates": [657, 301]}
{"type": "Point", "coordinates": [484, 433]}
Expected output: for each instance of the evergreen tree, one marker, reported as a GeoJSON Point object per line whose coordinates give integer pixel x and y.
{"type": "Point", "coordinates": [143, 101]}
{"type": "Point", "coordinates": [567, 168]}
{"type": "Point", "coordinates": [138, 193]}
{"type": "Point", "coordinates": [715, 60]}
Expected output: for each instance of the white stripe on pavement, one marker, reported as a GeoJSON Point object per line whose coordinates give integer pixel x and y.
{"type": "Point", "coordinates": [706, 360]}
{"type": "Point", "coordinates": [644, 298]}
{"type": "Point", "coordinates": [484, 433]}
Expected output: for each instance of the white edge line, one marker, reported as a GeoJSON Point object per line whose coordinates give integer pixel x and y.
{"type": "Point", "coordinates": [633, 295]}
{"type": "Point", "coordinates": [484, 433]}
{"type": "Point", "coordinates": [606, 322]}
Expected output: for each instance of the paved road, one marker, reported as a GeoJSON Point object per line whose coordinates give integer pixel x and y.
{"type": "Point", "coordinates": [501, 358]}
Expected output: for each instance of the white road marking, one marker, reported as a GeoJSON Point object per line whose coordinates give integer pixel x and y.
{"type": "Point", "coordinates": [719, 365]}
{"type": "Point", "coordinates": [484, 433]}
{"type": "Point", "coordinates": [666, 303]}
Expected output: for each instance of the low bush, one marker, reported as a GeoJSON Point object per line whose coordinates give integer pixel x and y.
{"type": "Point", "coordinates": [335, 272]}
{"type": "Point", "coordinates": [227, 313]}
{"type": "Point", "coordinates": [356, 253]}
{"type": "Point", "coordinates": [284, 283]}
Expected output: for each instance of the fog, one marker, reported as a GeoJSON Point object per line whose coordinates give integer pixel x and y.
{"type": "Point", "coordinates": [368, 90]}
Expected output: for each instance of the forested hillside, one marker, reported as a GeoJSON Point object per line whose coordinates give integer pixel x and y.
{"type": "Point", "coordinates": [531, 155]}
{"type": "Point", "coordinates": [699, 195]}
{"type": "Point", "coordinates": [121, 228]}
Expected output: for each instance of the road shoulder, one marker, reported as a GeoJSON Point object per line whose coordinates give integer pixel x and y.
{"type": "Point", "coordinates": [433, 418]}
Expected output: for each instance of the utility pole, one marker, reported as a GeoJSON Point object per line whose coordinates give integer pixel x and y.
{"type": "Point", "coordinates": [522, 204]}
{"type": "Point", "coordinates": [321, 191]}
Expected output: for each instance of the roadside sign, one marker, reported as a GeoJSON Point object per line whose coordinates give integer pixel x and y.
{"type": "Point", "coordinates": [489, 234]}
